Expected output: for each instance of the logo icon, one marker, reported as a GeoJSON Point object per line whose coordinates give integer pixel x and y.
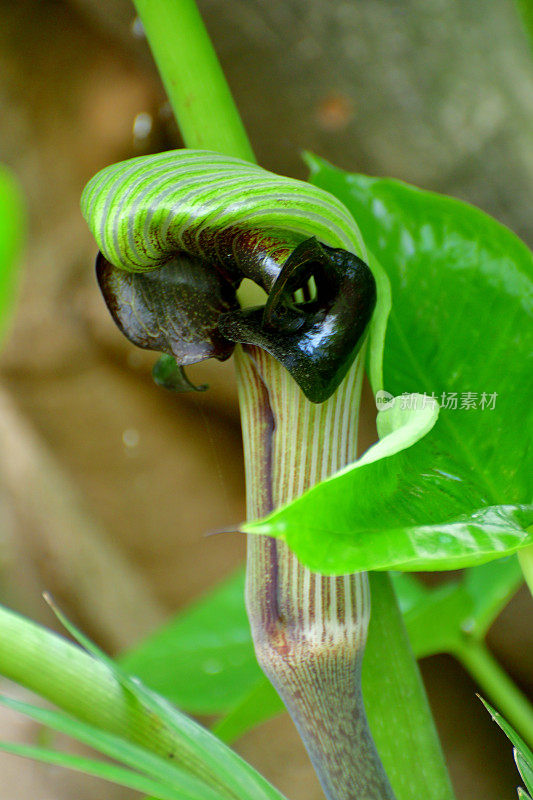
{"type": "Point", "coordinates": [384, 400]}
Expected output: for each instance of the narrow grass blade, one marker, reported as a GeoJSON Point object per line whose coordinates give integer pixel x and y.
{"type": "Point", "coordinates": [235, 777]}
{"type": "Point", "coordinates": [99, 769]}
{"type": "Point", "coordinates": [115, 747]}
{"type": "Point", "coordinates": [525, 769]}
{"type": "Point", "coordinates": [511, 734]}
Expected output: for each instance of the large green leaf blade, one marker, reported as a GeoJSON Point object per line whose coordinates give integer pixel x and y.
{"type": "Point", "coordinates": [203, 659]}
{"type": "Point", "coordinates": [383, 513]}
{"type": "Point", "coordinates": [462, 299]}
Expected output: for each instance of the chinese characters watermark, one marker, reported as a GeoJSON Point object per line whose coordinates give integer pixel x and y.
{"type": "Point", "coordinates": [453, 401]}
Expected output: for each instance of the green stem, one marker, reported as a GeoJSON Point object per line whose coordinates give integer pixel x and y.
{"type": "Point", "coordinates": [525, 10]}
{"type": "Point", "coordinates": [500, 689]}
{"type": "Point", "coordinates": [398, 711]}
{"type": "Point", "coordinates": [193, 78]}
{"type": "Point", "coordinates": [208, 119]}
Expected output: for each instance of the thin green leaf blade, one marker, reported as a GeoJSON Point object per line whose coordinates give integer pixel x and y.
{"type": "Point", "coordinates": [226, 766]}
{"type": "Point", "coordinates": [108, 744]}
{"type": "Point", "coordinates": [204, 661]}
{"type": "Point", "coordinates": [99, 769]}
{"type": "Point", "coordinates": [525, 769]}
{"type": "Point", "coordinates": [510, 732]}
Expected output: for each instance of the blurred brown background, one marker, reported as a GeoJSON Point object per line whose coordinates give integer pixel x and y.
{"type": "Point", "coordinates": [107, 483]}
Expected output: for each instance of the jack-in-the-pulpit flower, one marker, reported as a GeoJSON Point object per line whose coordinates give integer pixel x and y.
{"type": "Point", "coordinates": [179, 231]}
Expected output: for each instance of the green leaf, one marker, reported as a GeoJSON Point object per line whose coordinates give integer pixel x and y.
{"type": "Point", "coordinates": [462, 299]}
{"type": "Point", "coordinates": [203, 660]}
{"type": "Point", "coordinates": [410, 592]}
{"type": "Point", "coordinates": [259, 705]}
{"type": "Point", "coordinates": [199, 746]}
{"type": "Point", "coordinates": [12, 228]}
{"type": "Point", "coordinates": [100, 769]}
{"type": "Point", "coordinates": [525, 768]}
{"type": "Point", "coordinates": [434, 624]}
{"type": "Point", "coordinates": [511, 734]}
{"type": "Point", "coordinates": [438, 619]}
{"type": "Point", "coordinates": [167, 774]}
{"type": "Point", "coordinates": [458, 331]}
{"type": "Point", "coordinates": [489, 588]}
{"type": "Point", "coordinates": [380, 513]}
{"type": "Point", "coordinates": [169, 375]}
{"type": "Point", "coordinates": [522, 754]}
{"type": "Point", "coordinates": [523, 795]}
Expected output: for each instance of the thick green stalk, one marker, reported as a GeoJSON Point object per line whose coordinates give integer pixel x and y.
{"type": "Point", "coordinates": [525, 10]}
{"type": "Point", "coordinates": [413, 755]}
{"type": "Point", "coordinates": [497, 686]}
{"type": "Point", "coordinates": [192, 76]}
{"type": "Point", "coordinates": [398, 711]}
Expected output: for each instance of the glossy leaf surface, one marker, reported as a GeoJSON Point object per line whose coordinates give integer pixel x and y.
{"type": "Point", "coordinates": [462, 301]}
{"type": "Point", "coordinates": [458, 331]}
{"type": "Point", "coordinates": [381, 513]}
